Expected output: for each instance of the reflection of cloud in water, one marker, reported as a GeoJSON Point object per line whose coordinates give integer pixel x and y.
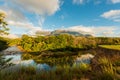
{"type": "Point", "coordinates": [28, 63]}
{"type": "Point", "coordinates": [84, 59]}
{"type": "Point", "coordinates": [43, 67]}
{"type": "Point", "coordinates": [12, 50]}
{"type": "Point", "coordinates": [15, 58]}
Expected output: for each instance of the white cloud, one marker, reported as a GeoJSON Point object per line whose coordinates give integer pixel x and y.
{"type": "Point", "coordinates": [95, 30]}
{"type": "Point", "coordinates": [80, 28]}
{"type": "Point", "coordinates": [22, 24]}
{"type": "Point", "coordinates": [112, 15]}
{"type": "Point", "coordinates": [28, 26]}
{"type": "Point", "coordinates": [87, 1]}
{"type": "Point", "coordinates": [41, 7]}
{"type": "Point", "coordinates": [31, 29]}
{"type": "Point", "coordinates": [12, 36]}
{"type": "Point", "coordinates": [34, 30]}
{"type": "Point", "coordinates": [115, 1]}
{"type": "Point", "coordinates": [13, 13]}
{"type": "Point", "coordinates": [80, 1]}
{"type": "Point", "coordinates": [96, 2]}
{"type": "Point", "coordinates": [17, 10]}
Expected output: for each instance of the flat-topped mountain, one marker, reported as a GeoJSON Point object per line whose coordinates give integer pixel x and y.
{"type": "Point", "coordinates": [58, 32]}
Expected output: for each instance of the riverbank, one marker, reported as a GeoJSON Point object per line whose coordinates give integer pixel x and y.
{"type": "Point", "coordinates": [104, 66]}
{"type": "Point", "coordinates": [65, 72]}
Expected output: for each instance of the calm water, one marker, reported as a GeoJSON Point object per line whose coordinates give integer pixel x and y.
{"type": "Point", "coordinates": [14, 53]}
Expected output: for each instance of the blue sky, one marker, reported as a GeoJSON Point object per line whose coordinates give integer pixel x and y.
{"type": "Point", "coordinates": [87, 14]}
{"type": "Point", "coordinates": [96, 17]}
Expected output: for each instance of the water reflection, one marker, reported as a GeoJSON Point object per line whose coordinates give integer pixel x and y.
{"type": "Point", "coordinates": [44, 65]}
{"type": "Point", "coordinates": [84, 59]}
{"type": "Point", "coordinates": [16, 58]}
{"type": "Point", "coordinates": [12, 50]}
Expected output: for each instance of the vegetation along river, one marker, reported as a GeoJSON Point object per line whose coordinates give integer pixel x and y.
{"type": "Point", "coordinates": [16, 54]}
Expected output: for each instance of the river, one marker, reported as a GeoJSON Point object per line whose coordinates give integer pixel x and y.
{"type": "Point", "coordinates": [14, 53]}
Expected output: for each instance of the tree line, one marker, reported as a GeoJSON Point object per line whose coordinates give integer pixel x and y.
{"type": "Point", "coordinates": [61, 42]}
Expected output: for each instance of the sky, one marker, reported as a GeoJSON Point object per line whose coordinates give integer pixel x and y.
{"type": "Point", "coordinates": [96, 17]}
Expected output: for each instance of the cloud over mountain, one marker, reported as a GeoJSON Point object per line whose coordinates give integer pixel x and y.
{"type": "Point", "coordinates": [94, 30]}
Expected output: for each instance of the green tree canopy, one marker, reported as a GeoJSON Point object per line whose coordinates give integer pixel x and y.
{"type": "Point", "coordinates": [3, 24]}
{"type": "Point", "coordinates": [3, 30]}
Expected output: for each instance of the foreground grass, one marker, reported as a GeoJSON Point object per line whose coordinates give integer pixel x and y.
{"type": "Point", "coordinates": [60, 73]}
{"type": "Point", "coordinates": [115, 47]}
{"type": "Point", "coordinates": [105, 71]}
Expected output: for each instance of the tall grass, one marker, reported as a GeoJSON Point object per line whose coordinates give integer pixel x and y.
{"type": "Point", "coordinates": [107, 70]}
{"type": "Point", "coordinates": [64, 72]}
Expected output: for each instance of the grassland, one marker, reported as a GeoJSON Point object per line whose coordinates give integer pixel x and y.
{"type": "Point", "coordinates": [107, 71]}
{"type": "Point", "coordinates": [114, 47]}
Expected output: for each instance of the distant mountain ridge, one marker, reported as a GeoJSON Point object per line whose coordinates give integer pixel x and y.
{"type": "Point", "coordinates": [58, 32]}
{"type": "Point", "coordinates": [49, 33]}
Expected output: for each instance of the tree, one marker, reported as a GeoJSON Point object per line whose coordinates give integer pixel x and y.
{"type": "Point", "coordinates": [3, 62]}
{"type": "Point", "coordinates": [3, 24]}
{"type": "Point", "coordinates": [3, 30]}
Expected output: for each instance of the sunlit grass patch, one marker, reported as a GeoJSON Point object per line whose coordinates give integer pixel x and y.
{"type": "Point", "coordinates": [115, 47]}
